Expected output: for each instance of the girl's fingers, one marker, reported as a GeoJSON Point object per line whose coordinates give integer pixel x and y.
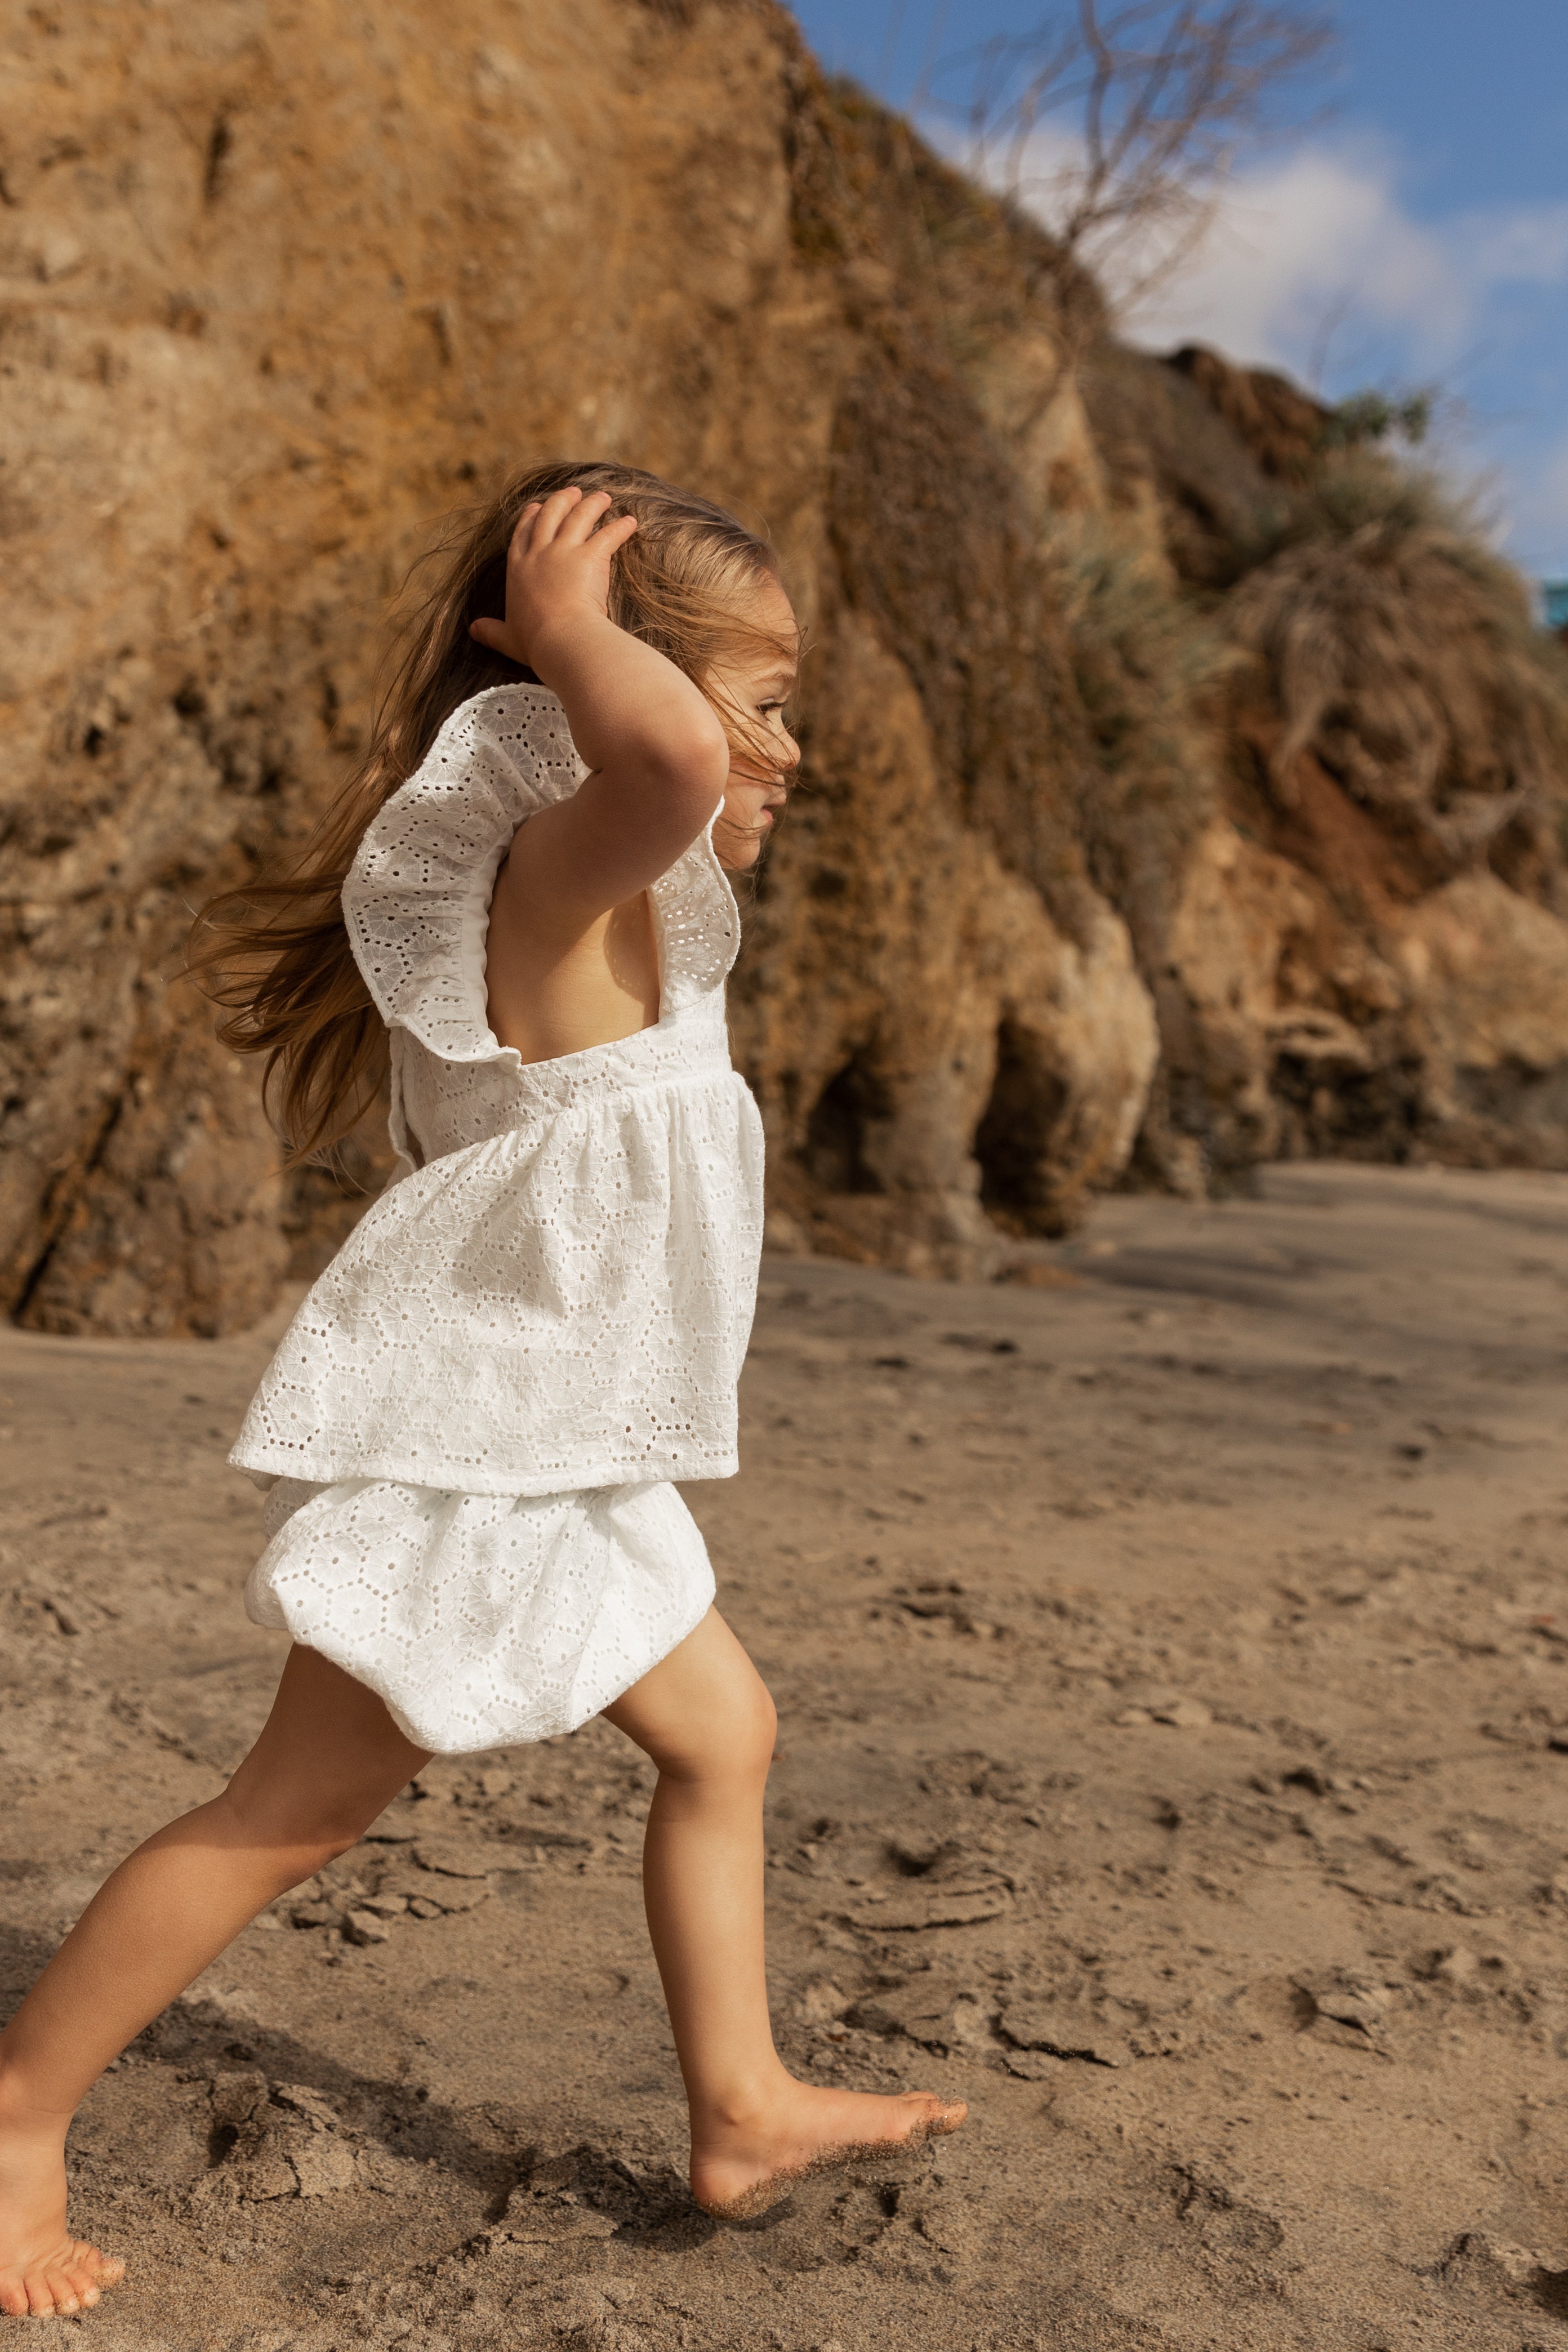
{"type": "Point", "coordinates": [584, 518]}
{"type": "Point", "coordinates": [522, 529]}
{"type": "Point", "coordinates": [566, 518]}
{"type": "Point", "coordinates": [554, 512]}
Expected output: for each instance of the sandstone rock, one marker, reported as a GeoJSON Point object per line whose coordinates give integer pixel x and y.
{"type": "Point", "coordinates": [1488, 977]}
{"type": "Point", "coordinates": [261, 428]}
{"type": "Point", "coordinates": [1280, 425]}
{"type": "Point", "coordinates": [363, 1926]}
{"type": "Point", "coordinates": [1185, 1713]}
{"type": "Point", "coordinates": [983, 1028]}
{"type": "Point", "coordinates": [1036, 900]}
{"type": "Point", "coordinates": [451, 1860]}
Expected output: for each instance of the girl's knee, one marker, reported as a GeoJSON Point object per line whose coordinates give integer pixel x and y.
{"type": "Point", "coordinates": [305, 1833]}
{"type": "Point", "coordinates": [748, 1731]}
{"type": "Point", "coordinates": [763, 1729]}
{"type": "Point", "coordinates": [731, 1739]}
{"type": "Point", "coordinates": [329, 1844]}
{"type": "Point", "coordinates": [297, 1864]}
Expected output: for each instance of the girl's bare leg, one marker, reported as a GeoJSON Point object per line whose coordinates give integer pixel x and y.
{"type": "Point", "coordinates": [329, 1759]}
{"type": "Point", "coordinates": [705, 1718]}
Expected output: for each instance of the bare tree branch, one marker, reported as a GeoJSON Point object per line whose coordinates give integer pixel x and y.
{"type": "Point", "coordinates": [1158, 99]}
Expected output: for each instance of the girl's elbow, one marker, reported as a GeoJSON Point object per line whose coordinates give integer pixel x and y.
{"type": "Point", "coordinates": [695, 771]}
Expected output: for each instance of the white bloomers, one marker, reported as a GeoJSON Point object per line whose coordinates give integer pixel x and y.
{"type": "Point", "coordinates": [483, 1620]}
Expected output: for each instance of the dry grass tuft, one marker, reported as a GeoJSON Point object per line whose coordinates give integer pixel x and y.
{"type": "Point", "coordinates": [1402, 653]}
{"type": "Point", "coordinates": [1147, 661]}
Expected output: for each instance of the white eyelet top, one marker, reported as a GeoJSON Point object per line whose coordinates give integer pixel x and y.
{"type": "Point", "coordinates": [556, 1290]}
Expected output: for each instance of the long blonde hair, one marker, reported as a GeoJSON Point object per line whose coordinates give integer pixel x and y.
{"type": "Point", "coordinates": [275, 953]}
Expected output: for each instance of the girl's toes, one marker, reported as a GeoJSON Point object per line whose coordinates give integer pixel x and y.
{"type": "Point", "coordinates": [94, 2271]}
{"type": "Point", "coordinates": [14, 2299]}
{"type": "Point", "coordinates": [61, 2290]}
{"type": "Point", "coordinates": [937, 2118]}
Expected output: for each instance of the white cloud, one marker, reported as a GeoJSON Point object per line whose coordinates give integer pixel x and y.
{"type": "Point", "coordinates": [1318, 263]}
{"type": "Point", "coordinates": [1310, 259]}
{"type": "Point", "coordinates": [1528, 248]}
{"type": "Point", "coordinates": [1322, 244]}
{"type": "Point", "coordinates": [1301, 259]}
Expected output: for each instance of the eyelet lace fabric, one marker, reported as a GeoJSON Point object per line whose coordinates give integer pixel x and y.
{"type": "Point", "coordinates": [468, 1426]}
{"type": "Point", "coordinates": [483, 1620]}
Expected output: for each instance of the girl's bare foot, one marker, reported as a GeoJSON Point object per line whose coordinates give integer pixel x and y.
{"type": "Point", "coordinates": [742, 2166]}
{"type": "Point", "coordinates": [43, 2269]}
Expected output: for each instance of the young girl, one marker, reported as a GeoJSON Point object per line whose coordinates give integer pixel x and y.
{"type": "Point", "coordinates": [468, 1433]}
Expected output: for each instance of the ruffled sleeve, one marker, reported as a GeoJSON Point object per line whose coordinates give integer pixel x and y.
{"type": "Point", "coordinates": [416, 902]}
{"type": "Point", "coordinates": [699, 924]}
{"type": "Point", "coordinates": [417, 899]}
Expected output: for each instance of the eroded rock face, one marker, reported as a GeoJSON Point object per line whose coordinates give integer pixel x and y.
{"type": "Point", "coordinates": [279, 290]}
{"type": "Point", "coordinates": [1359, 950]}
{"type": "Point", "coordinates": [980, 1056]}
{"type": "Point", "coordinates": [260, 351]}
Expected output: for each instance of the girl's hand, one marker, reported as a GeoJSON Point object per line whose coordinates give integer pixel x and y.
{"type": "Point", "coordinates": [557, 575]}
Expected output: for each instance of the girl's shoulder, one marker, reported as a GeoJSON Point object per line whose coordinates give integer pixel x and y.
{"type": "Point", "coordinates": [508, 750]}
{"type": "Point", "coordinates": [499, 758]}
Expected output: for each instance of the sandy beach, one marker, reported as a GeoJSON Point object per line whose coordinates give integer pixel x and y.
{"type": "Point", "coordinates": [1169, 1653]}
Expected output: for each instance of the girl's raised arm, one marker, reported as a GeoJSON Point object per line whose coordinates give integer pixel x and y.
{"type": "Point", "coordinates": [657, 755]}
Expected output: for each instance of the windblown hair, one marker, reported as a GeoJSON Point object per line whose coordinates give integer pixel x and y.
{"type": "Point", "coordinates": [275, 953]}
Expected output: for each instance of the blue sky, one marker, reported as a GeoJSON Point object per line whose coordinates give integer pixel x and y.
{"type": "Point", "coordinates": [1414, 233]}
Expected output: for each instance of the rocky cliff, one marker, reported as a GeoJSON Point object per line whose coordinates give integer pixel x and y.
{"type": "Point", "coordinates": [1184, 788]}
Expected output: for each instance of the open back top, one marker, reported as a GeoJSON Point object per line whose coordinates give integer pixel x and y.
{"type": "Point", "coordinates": [556, 1289]}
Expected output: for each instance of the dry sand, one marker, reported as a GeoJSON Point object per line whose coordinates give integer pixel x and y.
{"type": "Point", "coordinates": [1168, 1658]}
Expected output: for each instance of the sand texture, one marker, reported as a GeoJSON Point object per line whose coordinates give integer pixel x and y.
{"type": "Point", "coordinates": [1168, 1655]}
